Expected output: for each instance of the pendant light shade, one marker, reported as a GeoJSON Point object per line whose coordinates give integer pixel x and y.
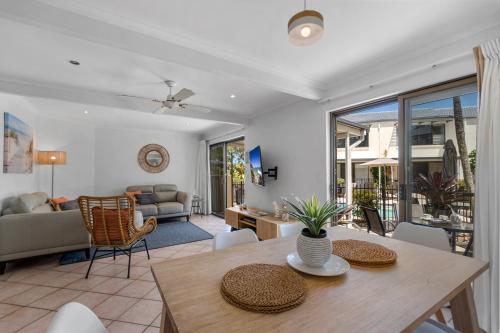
{"type": "Point", "coordinates": [305, 27]}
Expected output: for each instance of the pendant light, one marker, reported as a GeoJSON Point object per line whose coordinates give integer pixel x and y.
{"type": "Point", "coordinates": [305, 27]}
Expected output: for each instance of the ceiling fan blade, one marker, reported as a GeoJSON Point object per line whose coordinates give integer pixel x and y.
{"type": "Point", "coordinates": [140, 97]}
{"type": "Point", "coordinates": [194, 108]}
{"type": "Point", "coordinates": [183, 94]}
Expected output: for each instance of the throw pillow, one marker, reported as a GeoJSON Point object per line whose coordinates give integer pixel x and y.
{"type": "Point", "coordinates": [146, 198]}
{"type": "Point", "coordinates": [56, 201]}
{"type": "Point", "coordinates": [132, 194]}
{"type": "Point", "coordinates": [69, 205]}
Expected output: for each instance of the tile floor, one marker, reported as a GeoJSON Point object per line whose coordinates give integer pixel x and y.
{"type": "Point", "coordinates": [31, 291]}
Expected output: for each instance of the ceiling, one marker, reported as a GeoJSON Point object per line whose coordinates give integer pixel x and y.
{"type": "Point", "coordinates": [218, 48]}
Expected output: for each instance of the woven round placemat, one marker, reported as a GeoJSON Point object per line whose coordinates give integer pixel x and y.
{"type": "Point", "coordinates": [263, 288]}
{"type": "Point", "coordinates": [363, 253]}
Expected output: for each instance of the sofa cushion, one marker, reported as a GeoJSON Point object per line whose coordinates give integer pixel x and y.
{"type": "Point", "coordinates": [147, 210]}
{"type": "Point", "coordinates": [166, 208]}
{"type": "Point", "coordinates": [45, 208]}
{"type": "Point", "coordinates": [168, 196]}
{"type": "Point", "coordinates": [165, 188]}
{"type": "Point", "coordinates": [142, 188]}
{"type": "Point", "coordinates": [27, 202]}
{"type": "Point", "coordinates": [69, 205]}
{"type": "Point", "coordinates": [146, 198]}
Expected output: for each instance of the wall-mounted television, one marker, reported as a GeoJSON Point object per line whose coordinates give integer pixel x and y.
{"type": "Point", "coordinates": [256, 168]}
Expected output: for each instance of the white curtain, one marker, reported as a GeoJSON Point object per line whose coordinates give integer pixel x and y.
{"type": "Point", "coordinates": [201, 177]}
{"type": "Point", "coordinates": [487, 213]}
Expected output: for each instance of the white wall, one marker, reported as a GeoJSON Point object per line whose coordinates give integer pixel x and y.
{"type": "Point", "coordinates": [116, 164]}
{"type": "Point", "coordinates": [14, 184]}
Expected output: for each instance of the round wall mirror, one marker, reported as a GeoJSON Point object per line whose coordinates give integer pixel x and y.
{"type": "Point", "coordinates": [153, 158]}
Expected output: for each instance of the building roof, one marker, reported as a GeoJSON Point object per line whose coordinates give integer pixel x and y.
{"type": "Point", "coordinates": [431, 114]}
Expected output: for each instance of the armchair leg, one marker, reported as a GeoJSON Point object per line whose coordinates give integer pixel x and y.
{"type": "Point", "coordinates": [187, 217]}
{"type": "Point", "coordinates": [146, 246]}
{"type": "Point", "coordinates": [114, 253]}
{"type": "Point", "coordinates": [129, 261]}
{"type": "Point", "coordinates": [3, 266]}
{"type": "Point", "coordinates": [91, 262]}
{"type": "Point", "coordinates": [87, 253]}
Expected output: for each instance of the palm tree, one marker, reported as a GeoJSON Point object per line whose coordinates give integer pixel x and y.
{"type": "Point", "coordinates": [462, 146]}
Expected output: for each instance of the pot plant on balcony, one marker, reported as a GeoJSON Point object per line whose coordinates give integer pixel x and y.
{"type": "Point", "coordinates": [313, 245]}
{"type": "Point", "coordinates": [440, 193]}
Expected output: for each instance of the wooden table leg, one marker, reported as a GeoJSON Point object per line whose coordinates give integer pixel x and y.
{"type": "Point", "coordinates": [463, 311]}
{"type": "Point", "coordinates": [166, 325]}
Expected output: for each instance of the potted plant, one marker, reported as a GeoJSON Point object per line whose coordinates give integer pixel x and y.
{"type": "Point", "coordinates": [440, 193]}
{"type": "Point", "coordinates": [313, 245]}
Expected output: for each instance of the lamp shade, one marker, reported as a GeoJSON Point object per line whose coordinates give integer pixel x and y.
{"type": "Point", "coordinates": [51, 157]}
{"type": "Point", "coordinates": [305, 27]}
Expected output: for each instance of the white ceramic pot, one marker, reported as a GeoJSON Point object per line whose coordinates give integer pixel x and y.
{"type": "Point", "coordinates": [314, 252]}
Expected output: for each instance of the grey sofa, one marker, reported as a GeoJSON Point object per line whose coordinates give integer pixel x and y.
{"type": "Point", "coordinates": [169, 201]}
{"type": "Point", "coordinates": [31, 228]}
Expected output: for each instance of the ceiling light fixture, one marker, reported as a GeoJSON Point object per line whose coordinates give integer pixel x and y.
{"type": "Point", "coordinates": [305, 27]}
{"type": "Point", "coordinates": [74, 62]}
{"type": "Point", "coordinates": [232, 96]}
{"type": "Point", "coordinates": [85, 112]}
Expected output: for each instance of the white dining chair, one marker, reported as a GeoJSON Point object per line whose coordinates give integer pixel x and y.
{"type": "Point", "coordinates": [432, 326]}
{"type": "Point", "coordinates": [224, 240]}
{"type": "Point", "coordinates": [75, 318]}
{"type": "Point", "coordinates": [290, 229]}
{"type": "Point", "coordinates": [426, 236]}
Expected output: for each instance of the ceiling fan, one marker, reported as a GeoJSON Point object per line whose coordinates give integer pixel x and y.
{"type": "Point", "coordinates": [174, 102]}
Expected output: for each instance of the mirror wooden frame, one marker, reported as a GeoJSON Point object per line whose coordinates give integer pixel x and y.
{"type": "Point", "coordinates": [142, 158]}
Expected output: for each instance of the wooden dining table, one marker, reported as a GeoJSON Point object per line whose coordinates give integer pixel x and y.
{"type": "Point", "coordinates": [396, 298]}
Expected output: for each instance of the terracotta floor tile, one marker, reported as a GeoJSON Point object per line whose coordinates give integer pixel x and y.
{"type": "Point", "coordinates": [9, 289]}
{"type": "Point", "coordinates": [121, 327]}
{"type": "Point", "coordinates": [152, 329]}
{"type": "Point", "coordinates": [22, 274]}
{"type": "Point", "coordinates": [95, 266]}
{"type": "Point", "coordinates": [71, 267]}
{"type": "Point", "coordinates": [39, 325]}
{"type": "Point", "coordinates": [6, 309]}
{"type": "Point", "coordinates": [63, 280]}
{"type": "Point", "coordinates": [20, 318]}
{"type": "Point", "coordinates": [111, 286]}
{"type": "Point", "coordinates": [143, 312]}
{"type": "Point", "coordinates": [114, 307]}
{"type": "Point", "coordinates": [106, 322]}
{"type": "Point", "coordinates": [153, 295]}
{"type": "Point", "coordinates": [182, 254]}
{"type": "Point", "coordinates": [29, 296]}
{"type": "Point", "coordinates": [87, 284]}
{"type": "Point", "coordinates": [56, 299]}
{"type": "Point", "coordinates": [137, 289]}
{"type": "Point", "coordinates": [135, 272]}
{"type": "Point", "coordinates": [148, 276]}
{"type": "Point", "coordinates": [157, 321]}
{"type": "Point", "coordinates": [109, 270]}
{"type": "Point", "coordinates": [41, 277]}
{"type": "Point", "coordinates": [90, 299]}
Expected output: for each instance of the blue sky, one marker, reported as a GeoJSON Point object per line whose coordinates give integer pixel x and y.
{"type": "Point", "coordinates": [467, 100]}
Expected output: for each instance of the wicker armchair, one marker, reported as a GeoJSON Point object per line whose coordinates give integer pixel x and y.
{"type": "Point", "coordinates": [111, 224]}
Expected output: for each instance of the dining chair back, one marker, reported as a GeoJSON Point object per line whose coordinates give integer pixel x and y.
{"type": "Point", "coordinates": [223, 240]}
{"type": "Point", "coordinates": [426, 236]}
{"type": "Point", "coordinates": [290, 229]}
{"type": "Point", "coordinates": [373, 220]}
{"type": "Point", "coordinates": [76, 318]}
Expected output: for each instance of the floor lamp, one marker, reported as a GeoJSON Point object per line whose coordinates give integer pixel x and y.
{"type": "Point", "coordinates": [52, 158]}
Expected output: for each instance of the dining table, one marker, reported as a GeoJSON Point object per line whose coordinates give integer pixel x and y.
{"type": "Point", "coordinates": [396, 298]}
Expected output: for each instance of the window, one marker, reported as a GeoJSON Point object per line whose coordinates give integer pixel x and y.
{"type": "Point", "coordinates": [431, 134]}
{"type": "Point", "coordinates": [352, 139]}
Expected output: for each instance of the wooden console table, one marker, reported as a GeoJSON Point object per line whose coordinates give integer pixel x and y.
{"type": "Point", "coordinates": [266, 227]}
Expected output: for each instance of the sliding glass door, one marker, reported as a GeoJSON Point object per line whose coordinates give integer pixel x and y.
{"type": "Point", "coordinates": [227, 175]}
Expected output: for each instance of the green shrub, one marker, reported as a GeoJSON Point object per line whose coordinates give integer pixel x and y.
{"type": "Point", "coordinates": [340, 181]}
{"type": "Point", "coordinates": [366, 198]}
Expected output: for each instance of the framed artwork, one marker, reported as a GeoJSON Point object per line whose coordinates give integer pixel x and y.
{"type": "Point", "coordinates": [17, 145]}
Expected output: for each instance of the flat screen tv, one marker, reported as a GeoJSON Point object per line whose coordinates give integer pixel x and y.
{"type": "Point", "coordinates": [256, 169]}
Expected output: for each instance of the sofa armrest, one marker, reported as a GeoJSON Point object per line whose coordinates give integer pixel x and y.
{"type": "Point", "coordinates": [37, 231]}
{"type": "Point", "coordinates": [185, 199]}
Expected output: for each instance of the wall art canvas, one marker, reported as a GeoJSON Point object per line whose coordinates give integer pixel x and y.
{"type": "Point", "coordinates": [17, 145]}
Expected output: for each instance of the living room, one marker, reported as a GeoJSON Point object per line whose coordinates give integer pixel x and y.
{"type": "Point", "coordinates": [128, 111]}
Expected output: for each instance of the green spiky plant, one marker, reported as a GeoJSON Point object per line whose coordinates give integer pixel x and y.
{"type": "Point", "coordinates": [312, 214]}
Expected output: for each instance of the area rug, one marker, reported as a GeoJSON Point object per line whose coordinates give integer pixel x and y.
{"type": "Point", "coordinates": [166, 234]}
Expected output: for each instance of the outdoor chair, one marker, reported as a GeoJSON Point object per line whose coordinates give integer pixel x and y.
{"type": "Point", "coordinates": [341, 214]}
{"type": "Point", "coordinates": [114, 225]}
{"type": "Point", "coordinates": [375, 223]}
